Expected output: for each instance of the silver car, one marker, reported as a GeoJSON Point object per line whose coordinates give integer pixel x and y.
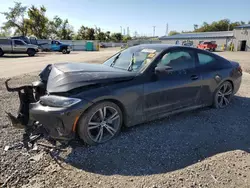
{"type": "Point", "coordinates": [16, 46]}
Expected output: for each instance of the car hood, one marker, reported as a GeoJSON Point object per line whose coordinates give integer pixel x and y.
{"type": "Point", "coordinates": [32, 46]}
{"type": "Point", "coordinates": [63, 77]}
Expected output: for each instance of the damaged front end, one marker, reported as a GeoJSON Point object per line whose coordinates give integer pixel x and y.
{"type": "Point", "coordinates": [28, 94]}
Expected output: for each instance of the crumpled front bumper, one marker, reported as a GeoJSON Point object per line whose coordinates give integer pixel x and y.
{"type": "Point", "coordinates": [59, 123]}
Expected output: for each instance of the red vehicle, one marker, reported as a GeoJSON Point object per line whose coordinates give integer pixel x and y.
{"type": "Point", "coordinates": [207, 46]}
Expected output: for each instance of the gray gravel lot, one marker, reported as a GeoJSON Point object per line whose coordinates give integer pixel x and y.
{"type": "Point", "coordinates": [202, 148]}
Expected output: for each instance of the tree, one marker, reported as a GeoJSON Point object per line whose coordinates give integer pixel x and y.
{"type": "Point", "coordinates": [86, 33]}
{"type": "Point", "coordinates": [116, 37]}
{"type": "Point", "coordinates": [173, 33]}
{"type": "Point", "coordinates": [66, 31]}
{"type": "Point", "coordinates": [221, 25]}
{"type": "Point", "coordinates": [16, 20]}
{"type": "Point", "coordinates": [108, 37]}
{"type": "Point", "coordinates": [195, 27]}
{"type": "Point", "coordinates": [60, 29]}
{"type": "Point", "coordinates": [38, 22]}
{"type": "Point", "coordinates": [54, 27]}
{"type": "Point", "coordinates": [126, 39]}
{"type": "Point", "coordinates": [5, 32]}
{"type": "Point", "coordinates": [101, 36]}
{"type": "Point", "coordinates": [90, 34]}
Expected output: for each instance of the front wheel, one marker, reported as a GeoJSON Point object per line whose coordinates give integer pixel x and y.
{"type": "Point", "coordinates": [31, 52]}
{"type": "Point", "coordinates": [64, 51]}
{"type": "Point", "coordinates": [100, 123]}
{"type": "Point", "coordinates": [68, 52]}
{"type": "Point", "coordinates": [1, 53]}
{"type": "Point", "coordinates": [223, 95]}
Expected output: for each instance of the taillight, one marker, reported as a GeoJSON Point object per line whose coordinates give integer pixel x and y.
{"type": "Point", "coordinates": [239, 69]}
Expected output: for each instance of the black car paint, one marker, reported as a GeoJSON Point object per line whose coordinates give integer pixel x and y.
{"type": "Point", "coordinates": [142, 96]}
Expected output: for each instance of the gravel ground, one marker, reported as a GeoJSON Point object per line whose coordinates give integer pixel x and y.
{"type": "Point", "coordinates": [202, 148]}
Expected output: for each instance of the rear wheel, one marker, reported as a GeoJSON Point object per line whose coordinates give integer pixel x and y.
{"type": "Point", "coordinates": [100, 123]}
{"type": "Point", "coordinates": [31, 52]}
{"type": "Point", "coordinates": [223, 95]}
{"type": "Point", "coordinates": [64, 51]}
{"type": "Point", "coordinates": [1, 53]}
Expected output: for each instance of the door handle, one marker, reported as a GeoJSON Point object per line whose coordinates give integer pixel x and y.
{"type": "Point", "coordinates": [194, 77]}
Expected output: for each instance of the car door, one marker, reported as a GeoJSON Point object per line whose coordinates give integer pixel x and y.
{"type": "Point", "coordinates": [55, 46]}
{"type": "Point", "coordinates": [19, 46]}
{"type": "Point", "coordinates": [210, 69]}
{"type": "Point", "coordinates": [176, 88]}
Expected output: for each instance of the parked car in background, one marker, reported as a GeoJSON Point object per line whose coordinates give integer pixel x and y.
{"type": "Point", "coordinates": [189, 43]}
{"type": "Point", "coordinates": [138, 84]}
{"type": "Point", "coordinates": [56, 46]}
{"type": "Point", "coordinates": [16, 46]}
{"type": "Point", "coordinates": [29, 40]}
{"type": "Point", "coordinates": [207, 46]}
{"type": "Point", "coordinates": [102, 45]}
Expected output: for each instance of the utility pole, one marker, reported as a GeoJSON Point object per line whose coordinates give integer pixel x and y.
{"type": "Point", "coordinates": [121, 29]}
{"type": "Point", "coordinates": [154, 31]}
{"type": "Point", "coordinates": [124, 31]}
{"type": "Point", "coordinates": [127, 31]}
{"type": "Point", "coordinates": [166, 34]}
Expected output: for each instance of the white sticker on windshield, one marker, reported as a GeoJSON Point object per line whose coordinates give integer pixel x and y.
{"type": "Point", "coordinates": [148, 51]}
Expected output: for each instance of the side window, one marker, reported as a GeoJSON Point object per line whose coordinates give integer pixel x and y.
{"type": "Point", "coordinates": [178, 60]}
{"type": "Point", "coordinates": [5, 41]}
{"type": "Point", "coordinates": [18, 42]}
{"type": "Point", "coordinates": [205, 59]}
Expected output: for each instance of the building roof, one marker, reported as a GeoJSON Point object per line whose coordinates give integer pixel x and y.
{"type": "Point", "coordinates": [243, 26]}
{"type": "Point", "coordinates": [219, 34]}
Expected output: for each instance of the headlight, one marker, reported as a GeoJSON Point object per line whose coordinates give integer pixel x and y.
{"type": "Point", "coordinates": [58, 101]}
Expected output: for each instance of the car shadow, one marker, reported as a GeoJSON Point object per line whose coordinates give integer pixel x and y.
{"type": "Point", "coordinates": [22, 56]}
{"type": "Point", "coordinates": [169, 144]}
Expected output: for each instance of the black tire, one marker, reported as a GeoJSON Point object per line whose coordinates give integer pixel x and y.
{"type": "Point", "coordinates": [213, 49]}
{"type": "Point", "coordinates": [31, 52]}
{"type": "Point", "coordinates": [64, 51]}
{"type": "Point", "coordinates": [221, 93]}
{"type": "Point", "coordinates": [68, 52]}
{"type": "Point", "coordinates": [90, 123]}
{"type": "Point", "coordinates": [1, 52]}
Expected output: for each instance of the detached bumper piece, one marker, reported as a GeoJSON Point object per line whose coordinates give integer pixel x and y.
{"type": "Point", "coordinates": [26, 97]}
{"type": "Point", "coordinates": [38, 119]}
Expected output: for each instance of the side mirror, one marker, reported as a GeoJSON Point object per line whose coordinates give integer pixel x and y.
{"type": "Point", "coordinates": [163, 69]}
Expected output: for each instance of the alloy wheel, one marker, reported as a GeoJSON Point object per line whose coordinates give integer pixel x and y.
{"type": "Point", "coordinates": [104, 124]}
{"type": "Point", "coordinates": [224, 95]}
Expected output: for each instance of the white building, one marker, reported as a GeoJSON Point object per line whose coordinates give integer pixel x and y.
{"type": "Point", "coordinates": [240, 37]}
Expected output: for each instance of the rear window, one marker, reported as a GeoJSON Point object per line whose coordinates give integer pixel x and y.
{"type": "Point", "coordinates": [207, 43]}
{"type": "Point", "coordinates": [4, 41]}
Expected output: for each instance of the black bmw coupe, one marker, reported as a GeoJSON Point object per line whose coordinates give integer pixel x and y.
{"type": "Point", "coordinates": [136, 85]}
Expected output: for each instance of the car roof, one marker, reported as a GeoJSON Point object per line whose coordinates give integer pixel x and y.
{"type": "Point", "coordinates": [165, 46]}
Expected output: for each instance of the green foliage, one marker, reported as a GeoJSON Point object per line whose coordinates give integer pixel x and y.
{"type": "Point", "coordinates": [221, 25]}
{"type": "Point", "coordinates": [116, 37]}
{"type": "Point", "coordinates": [54, 27]}
{"type": "Point", "coordinates": [85, 33]}
{"type": "Point", "coordinates": [173, 33]}
{"type": "Point", "coordinates": [66, 31]}
{"type": "Point", "coordinates": [38, 22]}
{"type": "Point", "coordinates": [126, 39]}
{"type": "Point", "coordinates": [16, 20]}
{"type": "Point", "coordinates": [4, 32]}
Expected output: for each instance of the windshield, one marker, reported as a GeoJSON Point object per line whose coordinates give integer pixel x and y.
{"type": "Point", "coordinates": [133, 58]}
